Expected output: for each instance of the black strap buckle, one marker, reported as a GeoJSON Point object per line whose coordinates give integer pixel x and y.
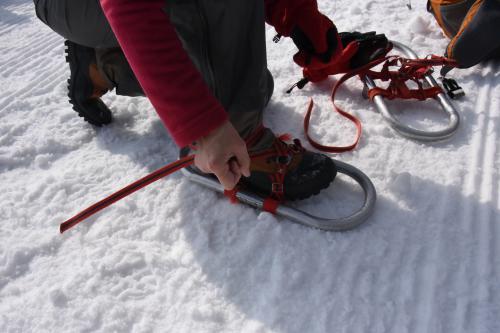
{"type": "Point", "coordinates": [452, 88]}
{"type": "Point", "coordinates": [300, 84]}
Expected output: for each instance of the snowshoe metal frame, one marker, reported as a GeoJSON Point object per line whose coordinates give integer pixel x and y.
{"type": "Point", "coordinates": [405, 130]}
{"type": "Point", "coordinates": [295, 215]}
{"type": "Point", "coordinates": [298, 216]}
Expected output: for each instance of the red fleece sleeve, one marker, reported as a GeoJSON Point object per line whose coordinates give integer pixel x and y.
{"type": "Point", "coordinates": [169, 78]}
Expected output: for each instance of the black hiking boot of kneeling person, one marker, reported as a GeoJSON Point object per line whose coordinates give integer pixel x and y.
{"type": "Point", "coordinates": [283, 171]}
{"type": "Point", "coordinates": [287, 171]}
{"type": "Point", "coordinates": [85, 87]}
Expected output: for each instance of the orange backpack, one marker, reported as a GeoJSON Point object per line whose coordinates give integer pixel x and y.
{"type": "Point", "coordinates": [473, 27]}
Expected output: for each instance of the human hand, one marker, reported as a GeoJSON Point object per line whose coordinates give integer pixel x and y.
{"type": "Point", "coordinates": [223, 153]}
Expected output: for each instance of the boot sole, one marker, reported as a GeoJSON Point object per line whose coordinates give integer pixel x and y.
{"type": "Point", "coordinates": [78, 90]}
{"type": "Point", "coordinates": [317, 186]}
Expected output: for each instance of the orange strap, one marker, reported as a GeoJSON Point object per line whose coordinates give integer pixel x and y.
{"type": "Point", "coordinates": [270, 205]}
{"type": "Point", "coordinates": [410, 69]}
{"type": "Point", "coordinates": [277, 179]}
{"type": "Point", "coordinates": [135, 186]}
{"type": "Point", "coordinates": [356, 121]}
{"type": "Point", "coordinates": [231, 195]}
{"type": "Point", "coordinates": [152, 177]}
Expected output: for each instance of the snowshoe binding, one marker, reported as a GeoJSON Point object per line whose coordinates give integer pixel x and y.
{"type": "Point", "coordinates": [440, 96]}
{"type": "Point", "coordinates": [287, 172]}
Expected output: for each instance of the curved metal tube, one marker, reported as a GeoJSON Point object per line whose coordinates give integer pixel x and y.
{"type": "Point", "coordinates": [407, 131]}
{"type": "Point", "coordinates": [298, 216]}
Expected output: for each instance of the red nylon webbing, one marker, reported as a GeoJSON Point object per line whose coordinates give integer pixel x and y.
{"type": "Point", "coordinates": [356, 121]}
{"type": "Point", "coordinates": [135, 186]}
{"type": "Point", "coordinates": [270, 205]}
{"type": "Point", "coordinates": [231, 195]}
{"type": "Point", "coordinates": [411, 69]}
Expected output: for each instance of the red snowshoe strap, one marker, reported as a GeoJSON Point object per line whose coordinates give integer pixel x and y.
{"type": "Point", "coordinates": [231, 195]}
{"type": "Point", "coordinates": [410, 69]}
{"type": "Point", "coordinates": [285, 151]}
{"type": "Point", "coordinates": [270, 205]}
{"type": "Point", "coordinates": [171, 168]}
{"type": "Point", "coordinates": [355, 120]}
{"type": "Point", "coordinates": [137, 185]}
{"type": "Point", "coordinates": [279, 150]}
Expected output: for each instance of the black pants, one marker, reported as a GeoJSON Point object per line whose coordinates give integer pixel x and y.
{"type": "Point", "coordinates": [83, 22]}
{"type": "Point", "coordinates": [238, 48]}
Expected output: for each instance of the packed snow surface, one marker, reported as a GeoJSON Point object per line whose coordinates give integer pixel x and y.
{"type": "Point", "coordinates": [176, 257]}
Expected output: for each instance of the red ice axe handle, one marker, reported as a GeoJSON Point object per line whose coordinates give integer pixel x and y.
{"type": "Point", "coordinates": [135, 186]}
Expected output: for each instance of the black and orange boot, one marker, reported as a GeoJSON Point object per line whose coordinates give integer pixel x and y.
{"type": "Point", "coordinates": [279, 170]}
{"type": "Point", "coordinates": [287, 171]}
{"type": "Point", "coordinates": [86, 85]}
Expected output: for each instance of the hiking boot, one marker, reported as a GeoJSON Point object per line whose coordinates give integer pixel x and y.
{"type": "Point", "coordinates": [280, 170]}
{"type": "Point", "coordinates": [86, 85]}
{"type": "Point", "coordinates": [287, 171]}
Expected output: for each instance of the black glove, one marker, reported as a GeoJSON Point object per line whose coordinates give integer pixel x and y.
{"type": "Point", "coordinates": [371, 46]}
{"type": "Point", "coordinates": [306, 45]}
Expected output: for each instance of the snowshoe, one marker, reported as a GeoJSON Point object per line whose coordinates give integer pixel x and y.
{"type": "Point", "coordinates": [82, 93]}
{"type": "Point", "coordinates": [260, 199]}
{"type": "Point", "coordinates": [245, 195]}
{"type": "Point", "coordinates": [405, 130]}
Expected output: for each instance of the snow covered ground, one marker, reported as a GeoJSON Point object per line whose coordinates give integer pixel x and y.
{"type": "Point", "coordinates": [176, 257]}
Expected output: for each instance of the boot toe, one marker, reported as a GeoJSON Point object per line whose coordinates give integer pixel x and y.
{"type": "Point", "coordinates": [80, 88]}
{"type": "Point", "coordinates": [315, 173]}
